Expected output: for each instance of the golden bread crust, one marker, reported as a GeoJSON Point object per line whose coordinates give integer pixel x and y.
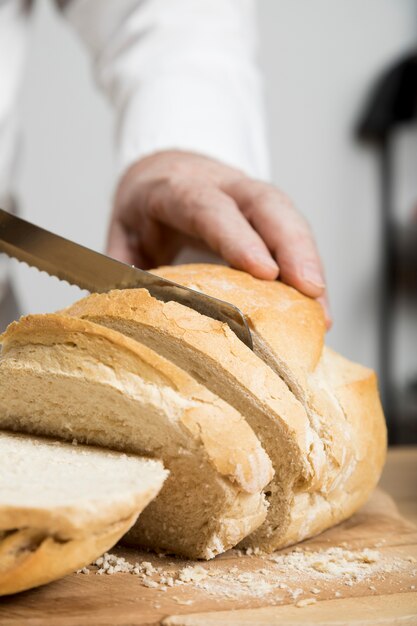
{"type": "Point", "coordinates": [28, 559]}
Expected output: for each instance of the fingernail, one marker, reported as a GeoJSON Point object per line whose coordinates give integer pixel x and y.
{"type": "Point", "coordinates": [265, 260]}
{"type": "Point", "coordinates": [311, 274]}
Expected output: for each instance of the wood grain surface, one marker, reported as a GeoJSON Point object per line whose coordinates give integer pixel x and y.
{"type": "Point", "coordinates": [396, 608]}
{"type": "Point", "coordinates": [382, 599]}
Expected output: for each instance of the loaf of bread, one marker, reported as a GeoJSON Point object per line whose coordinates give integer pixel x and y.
{"type": "Point", "coordinates": [62, 506]}
{"type": "Point", "coordinates": [67, 377]}
{"type": "Point", "coordinates": [316, 414]}
{"type": "Point", "coordinates": [132, 373]}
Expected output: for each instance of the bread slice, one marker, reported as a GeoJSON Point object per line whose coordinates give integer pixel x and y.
{"type": "Point", "coordinates": [62, 506]}
{"type": "Point", "coordinates": [213, 355]}
{"type": "Point", "coordinates": [340, 398]}
{"type": "Point", "coordinates": [67, 377]}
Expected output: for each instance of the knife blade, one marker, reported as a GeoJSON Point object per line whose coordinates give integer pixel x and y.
{"type": "Point", "coordinates": [99, 273]}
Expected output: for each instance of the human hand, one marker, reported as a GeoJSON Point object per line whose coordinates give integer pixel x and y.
{"type": "Point", "coordinates": [171, 198]}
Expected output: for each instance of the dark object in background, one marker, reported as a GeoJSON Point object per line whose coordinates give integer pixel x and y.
{"type": "Point", "coordinates": [393, 103]}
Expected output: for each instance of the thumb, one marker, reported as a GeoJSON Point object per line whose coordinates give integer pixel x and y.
{"type": "Point", "coordinates": [119, 244]}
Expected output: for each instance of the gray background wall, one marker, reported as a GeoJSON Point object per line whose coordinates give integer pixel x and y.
{"type": "Point", "coordinates": [318, 57]}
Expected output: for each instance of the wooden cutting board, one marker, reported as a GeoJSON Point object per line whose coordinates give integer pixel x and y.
{"type": "Point", "coordinates": [242, 596]}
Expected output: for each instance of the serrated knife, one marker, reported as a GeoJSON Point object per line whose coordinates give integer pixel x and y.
{"type": "Point", "coordinates": [99, 273]}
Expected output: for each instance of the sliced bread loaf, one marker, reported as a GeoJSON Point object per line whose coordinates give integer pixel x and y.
{"type": "Point", "coordinates": [316, 451]}
{"type": "Point", "coordinates": [62, 506]}
{"type": "Point", "coordinates": [340, 398]}
{"type": "Point", "coordinates": [213, 355]}
{"type": "Point", "coordinates": [68, 377]}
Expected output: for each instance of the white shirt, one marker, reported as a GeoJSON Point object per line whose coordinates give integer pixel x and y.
{"type": "Point", "coordinates": [179, 73]}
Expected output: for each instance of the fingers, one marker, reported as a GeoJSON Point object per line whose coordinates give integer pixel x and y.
{"type": "Point", "coordinates": [133, 237]}
{"type": "Point", "coordinates": [122, 244]}
{"type": "Point", "coordinates": [208, 214]}
{"type": "Point", "coordinates": [285, 232]}
{"type": "Point", "coordinates": [118, 243]}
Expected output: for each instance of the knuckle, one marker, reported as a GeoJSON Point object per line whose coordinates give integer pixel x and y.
{"type": "Point", "coordinates": [180, 167]}
{"type": "Point", "coordinates": [296, 245]}
{"type": "Point", "coordinates": [267, 198]}
{"type": "Point", "coordinates": [263, 199]}
{"type": "Point", "coordinates": [303, 233]}
{"type": "Point", "coordinates": [189, 192]}
{"type": "Point", "coordinates": [200, 217]}
{"type": "Point", "coordinates": [177, 185]}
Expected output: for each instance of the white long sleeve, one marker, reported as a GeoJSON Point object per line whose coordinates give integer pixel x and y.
{"type": "Point", "coordinates": [180, 74]}
{"type": "Point", "coordinates": [14, 26]}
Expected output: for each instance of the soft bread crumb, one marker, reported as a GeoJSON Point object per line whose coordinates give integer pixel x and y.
{"type": "Point", "coordinates": [337, 565]}
{"type": "Point", "coordinates": [192, 574]}
{"type": "Point", "coordinates": [253, 551]}
{"type": "Point", "coordinates": [150, 583]}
